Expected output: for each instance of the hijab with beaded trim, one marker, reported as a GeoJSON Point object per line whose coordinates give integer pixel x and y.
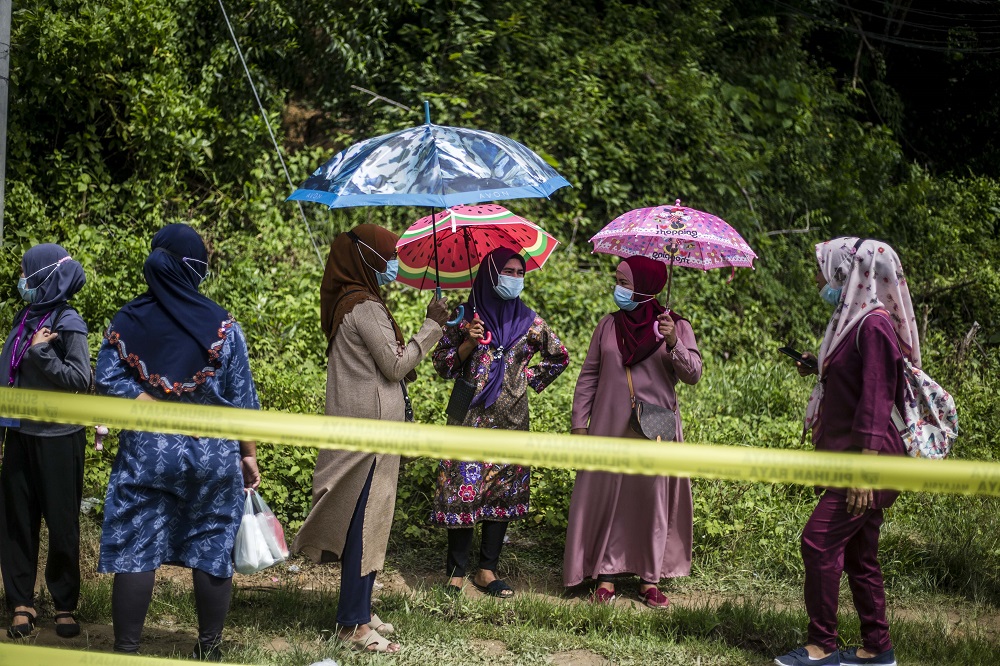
{"type": "Point", "coordinates": [171, 335]}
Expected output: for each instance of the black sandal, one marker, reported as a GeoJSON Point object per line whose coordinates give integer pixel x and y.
{"type": "Point", "coordinates": [66, 629]}
{"type": "Point", "coordinates": [22, 630]}
{"type": "Point", "coordinates": [496, 588]}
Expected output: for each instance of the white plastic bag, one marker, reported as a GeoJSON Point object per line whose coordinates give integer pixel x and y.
{"type": "Point", "coordinates": [274, 535]}
{"type": "Point", "coordinates": [251, 552]}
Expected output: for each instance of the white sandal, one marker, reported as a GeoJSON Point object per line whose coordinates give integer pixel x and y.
{"type": "Point", "coordinates": [373, 638]}
{"type": "Point", "coordinates": [378, 625]}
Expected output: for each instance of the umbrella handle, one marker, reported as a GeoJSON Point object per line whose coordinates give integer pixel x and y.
{"type": "Point", "coordinates": [459, 317]}
{"type": "Point", "coordinates": [656, 328]}
{"type": "Point", "coordinates": [486, 340]}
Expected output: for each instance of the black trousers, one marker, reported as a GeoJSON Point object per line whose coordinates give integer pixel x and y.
{"type": "Point", "coordinates": [355, 604]}
{"type": "Point", "coordinates": [132, 592]}
{"type": "Point", "coordinates": [42, 477]}
{"type": "Point", "coordinates": [460, 543]}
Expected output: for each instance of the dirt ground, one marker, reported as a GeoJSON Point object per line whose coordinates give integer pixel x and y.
{"type": "Point", "coordinates": [167, 638]}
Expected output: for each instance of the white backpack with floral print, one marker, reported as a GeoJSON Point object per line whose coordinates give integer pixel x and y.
{"type": "Point", "coordinates": [929, 422]}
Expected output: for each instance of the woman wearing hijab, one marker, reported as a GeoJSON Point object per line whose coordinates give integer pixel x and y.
{"type": "Point", "coordinates": [482, 492]}
{"type": "Point", "coordinates": [354, 493]}
{"type": "Point", "coordinates": [42, 473]}
{"type": "Point", "coordinates": [627, 523]}
{"type": "Point", "coordinates": [860, 381]}
{"type": "Point", "coordinates": [175, 499]}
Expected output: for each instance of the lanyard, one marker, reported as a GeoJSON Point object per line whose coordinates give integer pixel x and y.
{"type": "Point", "coordinates": [15, 360]}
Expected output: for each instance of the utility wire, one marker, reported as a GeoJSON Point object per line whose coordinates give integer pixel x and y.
{"type": "Point", "coordinates": [267, 123]}
{"type": "Point", "coordinates": [927, 45]}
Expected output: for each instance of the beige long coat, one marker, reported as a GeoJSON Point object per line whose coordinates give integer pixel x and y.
{"type": "Point", "coordinates": [363, 377]}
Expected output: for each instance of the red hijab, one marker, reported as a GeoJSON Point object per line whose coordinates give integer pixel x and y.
{"type": "Point", "coordinates": [634, 330]}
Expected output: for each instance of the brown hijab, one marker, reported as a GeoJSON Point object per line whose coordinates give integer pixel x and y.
{"type": "Point", "coordinates": [348, 280]}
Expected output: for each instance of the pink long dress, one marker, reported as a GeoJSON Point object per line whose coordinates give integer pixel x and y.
{"type": "Point", "coordinates": [624, 523]}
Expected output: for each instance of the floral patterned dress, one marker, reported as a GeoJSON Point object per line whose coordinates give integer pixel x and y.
{"type": "Point", "coordinates": [471, 491]}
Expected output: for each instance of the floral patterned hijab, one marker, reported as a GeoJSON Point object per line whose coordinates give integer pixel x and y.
{"type": "Point", "coordinates": [871, 277]}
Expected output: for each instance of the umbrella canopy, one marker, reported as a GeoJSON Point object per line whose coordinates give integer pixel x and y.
{"type": "Point", "coordinates": [464, 236]}
{"type": "Point", "coordinates": [675, 235]}
{"type": "Point", "coordinates": [430, 165]}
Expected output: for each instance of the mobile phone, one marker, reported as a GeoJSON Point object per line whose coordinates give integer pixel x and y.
{"type": "Point", "coordinates": [806, 362]}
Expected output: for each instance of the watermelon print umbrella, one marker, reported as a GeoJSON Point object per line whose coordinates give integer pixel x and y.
{"type": "Point", "coordinates": [675, 235]}
{"type": "Point", "coordinates": [464, 236]}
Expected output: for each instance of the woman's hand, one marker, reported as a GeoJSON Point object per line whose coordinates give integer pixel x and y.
{"type": "Point", "coordinates": [248, 464]}
{"type": "Point", "coordinates": [578, 431]}
{"type": "Point", "coordinates": [476, 329]}
{"type": "Point", "coordinates": [804, 370]}
{"type": "Point", "coordinates": [145, 397]}
{"type": "Point", "coordinates": [43, 335]}
{"type": "Point", "coordinates": [667, 329]}
{"type": "Point", "coordinates": [251, 475]}
{"type": "Point", "coordinates": [860, 500]}
{"type": "Point", "coordinates": [437, 311]}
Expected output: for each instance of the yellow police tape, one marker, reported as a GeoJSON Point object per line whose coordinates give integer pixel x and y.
{"type": "Point", "coordinates": [29, 655]}
{"type": "Point", "coordinates": [630, 456]}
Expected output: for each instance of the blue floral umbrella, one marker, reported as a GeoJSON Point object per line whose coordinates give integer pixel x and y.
{"type": "Point", "coordinates": [430, 165]}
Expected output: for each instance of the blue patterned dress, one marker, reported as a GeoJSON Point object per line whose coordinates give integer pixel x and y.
{"type": "Point", "coordinates": [174, 499]}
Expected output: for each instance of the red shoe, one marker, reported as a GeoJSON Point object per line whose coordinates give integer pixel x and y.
{"type": "Point", "coordinates": [654, 598]}
{"type": "Point", "coordinates": [602, 596]}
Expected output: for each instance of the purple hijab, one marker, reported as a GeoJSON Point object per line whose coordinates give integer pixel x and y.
{"type": "Point", "coordinates": [508, 321]}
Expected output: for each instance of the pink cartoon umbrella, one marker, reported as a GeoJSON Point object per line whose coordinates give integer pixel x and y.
{"type": "Point", "coordinates": [675, 235]}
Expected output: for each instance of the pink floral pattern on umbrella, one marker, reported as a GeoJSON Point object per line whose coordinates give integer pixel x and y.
{"type": "Point", "coordinates": [675, 235]}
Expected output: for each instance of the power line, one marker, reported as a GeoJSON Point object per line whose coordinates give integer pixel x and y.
{"type": "Point", "coordinates": [927, 45]}
{"type": "Point", "coordinates": [267, 123]}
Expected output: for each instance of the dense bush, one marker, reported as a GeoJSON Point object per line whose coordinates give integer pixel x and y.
{"type": "Point", "coordinates": [130, 115]}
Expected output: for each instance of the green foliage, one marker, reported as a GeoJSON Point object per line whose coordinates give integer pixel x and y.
{"type": "Point", "coordinates": [128, 115]}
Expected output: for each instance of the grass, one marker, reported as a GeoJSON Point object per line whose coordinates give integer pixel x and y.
{"type": "Point", "coordinates": [941, 574]}
{"type": "Point", "coordinates": [438, 629]}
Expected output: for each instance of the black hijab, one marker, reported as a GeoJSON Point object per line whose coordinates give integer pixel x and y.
{"type": "Point", "coordinates": [56, 277]}
{"type": "Point", "coordinates": [171, 335]}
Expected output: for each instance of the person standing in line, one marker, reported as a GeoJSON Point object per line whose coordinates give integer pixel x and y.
{"type": "Point", "coordinates": [629, 523]}
{"type": "Point", "coordinates": [175, 499]}
{"type": "Point", "coordinates": [861, 379]}
{"type": "Point", "coordinates": [42, 473]}
{"type": "Point", "coordinates": [470, 492]}
{"type": "Point", "coordinates": [370, 362]}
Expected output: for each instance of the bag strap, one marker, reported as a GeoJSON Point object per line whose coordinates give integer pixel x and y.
{"type": "Point", "coordinates": [631, 393]}
{"type": "Point", "coordinates": [897, 418]}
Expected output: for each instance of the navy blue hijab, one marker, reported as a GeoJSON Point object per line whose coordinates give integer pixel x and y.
{"type": "Point", "coordinates": [171, 335]}
{"type": "Point", "coordinates": [508, 321]}
{"type": "Point", "coordinates": [57, 277]}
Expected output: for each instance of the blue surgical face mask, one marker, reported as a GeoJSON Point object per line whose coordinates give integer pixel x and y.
{"type": "Point", "coordinates": [29, 295]}
{"type": "Point", "coordinates": [508, 288]}
{"type": "Point", "coordinates": [623, 298]}
{"type": "Point", "coordinates": [391, 266]}
{"type": "Point", "coordinates": [390, 273]}
{"type": "Point", "coordinates": [831, 295]}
